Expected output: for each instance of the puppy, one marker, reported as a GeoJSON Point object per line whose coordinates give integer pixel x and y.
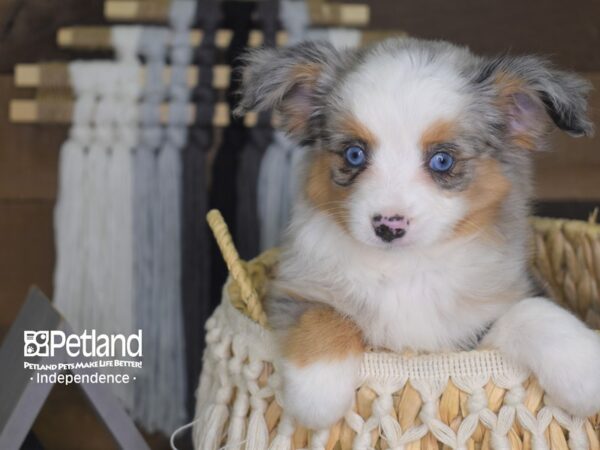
{"type": "Point", "coordinates": [411, 231]}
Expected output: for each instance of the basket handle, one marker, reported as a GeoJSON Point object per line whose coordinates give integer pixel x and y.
{"type": "Point", "coordinates": [254, 308]}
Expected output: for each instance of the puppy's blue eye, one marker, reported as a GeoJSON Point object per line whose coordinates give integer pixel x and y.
{"type": "Point", "coordinates": [441, 162]}
{"type": "Point", "coordinates": [355, 156]}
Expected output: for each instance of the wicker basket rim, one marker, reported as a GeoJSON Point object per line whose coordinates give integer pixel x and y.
{"type": "Point", "coordinates": [387, 365]}
{"type": "Point", "coordinates": [545, 223]}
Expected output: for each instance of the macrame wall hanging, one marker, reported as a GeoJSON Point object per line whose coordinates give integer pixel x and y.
{"type": "Point", "coordinates": [237, 16]}
{"type": "Point", "coordinates": [195, 280]}
{"type": "Point", "coordinates": [117, 178]}
{"type": "Point", "coordinates": [133, 250]}
{"type": "Point", "coordinates": [93, 217]}
{"type": "Point", "coordinates": [247, 233]}
{"type": "Point", "coordinates": [169, 374]}
{"type": "Point", "coordinates": [161, 390]}
{"type": "Point", "coordinates": [145, 221]}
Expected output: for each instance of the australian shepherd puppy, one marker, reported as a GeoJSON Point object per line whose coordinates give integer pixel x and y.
{"type": "Point", "coordinates": [411, 230]}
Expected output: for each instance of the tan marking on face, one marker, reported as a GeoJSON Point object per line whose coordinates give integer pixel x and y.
{"type": "Point", "coordinates": [440, 131]}
{"type": "Point", "coordinates": [320, 189]}
{"type": "Point", "coordinates": [355, 129]}
{"type": "Point", "coordinates": [323, 193]}
{"type": "Point", "coordinates": [322, 334]}
{"type": "Point", "coordinates": [485, 197]}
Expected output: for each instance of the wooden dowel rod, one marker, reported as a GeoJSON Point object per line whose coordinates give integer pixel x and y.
{"type": "Point", "coordinates": [56, 75]}
{"type": "Point", "coordinates": [338, 14]}
{"type": "Point", "coordinates": [146, 11]}
{"type": "Point", "coordinates": [157, 11]}
{"type": "Point", "coordinates": [60, 111]}
{"type": "Point", "coordinates": [99, 38]}
{"type": "Point", "coordinates": [88, 37]}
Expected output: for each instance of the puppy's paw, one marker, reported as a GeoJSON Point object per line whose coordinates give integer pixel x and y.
{"type": "Point", "coordinates": [559, 349]}
{"type": "Point", "coordinates": [572, 380]}
{"type": "Point", "coordinates": [320, 393]}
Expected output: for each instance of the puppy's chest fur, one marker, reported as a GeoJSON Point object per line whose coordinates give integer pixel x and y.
{"type": "Point", "coordinates": [441, 300]}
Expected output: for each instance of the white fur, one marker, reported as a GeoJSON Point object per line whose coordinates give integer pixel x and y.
{"type": "Point", "coordinates": [429, 290]}
{"type": "Point", "coordinates": [434, 298]}
{"type": "Point", "coordinates": [319, 394]}
{"type": "Point", "coordinates": [557, 347]}
{"type": "Point", "coordinates": [438, 299]}
{"type": "Point", "coordinates": [397, 99]}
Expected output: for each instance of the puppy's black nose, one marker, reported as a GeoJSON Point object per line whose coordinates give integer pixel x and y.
{"type": "Point", "coordinates": [388, 228]}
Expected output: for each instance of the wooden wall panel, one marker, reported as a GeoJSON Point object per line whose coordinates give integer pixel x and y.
{"type": "Point", "coordinates": [28, 28]}
{"type": "Point", "coordinates": [26, 253]}
{"type": "Point", "coordinates": [28, 153]}
{"type": "Point", "coordinates": [567, 182]}
{"type": "Point", "coordinates": [566, 149]}
{"type": "Point", "coordinates": [28, 177]}
{"type": "Point", "coordinates": [569, 32]}
{"type": "Point", "coordinates": [570, 170]}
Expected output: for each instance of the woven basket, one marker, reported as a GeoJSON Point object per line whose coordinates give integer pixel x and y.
{"type": "Point", "coordinates": [467, 400]}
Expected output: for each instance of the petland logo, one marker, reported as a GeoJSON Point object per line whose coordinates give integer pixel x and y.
{"type": "Point", "coordinates": [88, 344]}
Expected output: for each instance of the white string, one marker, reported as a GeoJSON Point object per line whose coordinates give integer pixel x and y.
{"type": "Point", "coordinates": [179, 430]}
{"type": "Point", "coordinates": [191, 424]}
{"type": "Point", "coordinates": [146, 221]}
{"type": "Point", "coordinates": [172, 368]}
{"type": "Point", "coordinates": [161, 394]}
{"type": "Point", "coordinates": [94, 271]}
{"type": "Point", "coordinates": [295, 19]}
{"type": "Point", "coordinates": [68, 214]}
{"type": "Point", "coordinates": [271, 192]}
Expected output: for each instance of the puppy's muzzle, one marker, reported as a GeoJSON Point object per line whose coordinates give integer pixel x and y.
{"type": "Point", "coordinates": [389, 228]}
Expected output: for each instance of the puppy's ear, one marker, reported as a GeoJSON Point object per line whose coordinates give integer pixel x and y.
{"type": "Point", "coordinates": [290, 80]}
{"type": "Point", "coordinates": [532, 95]}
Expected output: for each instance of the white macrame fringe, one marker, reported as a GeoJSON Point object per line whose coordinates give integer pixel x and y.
{"type": "Point", "coordinates": [238, 349]}
{"type": "Point", "coordinates": [118, 214]}
{"type": "Point", "coordinates": [93, 276]}
{"type": "Point", "coordinates": [167, 402]}
{"type": "Point", "coordinates": [213, 431]}
{"type": "Point", "coordinates": [258, 433]}
{"type": "Point", "coordinates": [153, 48]}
